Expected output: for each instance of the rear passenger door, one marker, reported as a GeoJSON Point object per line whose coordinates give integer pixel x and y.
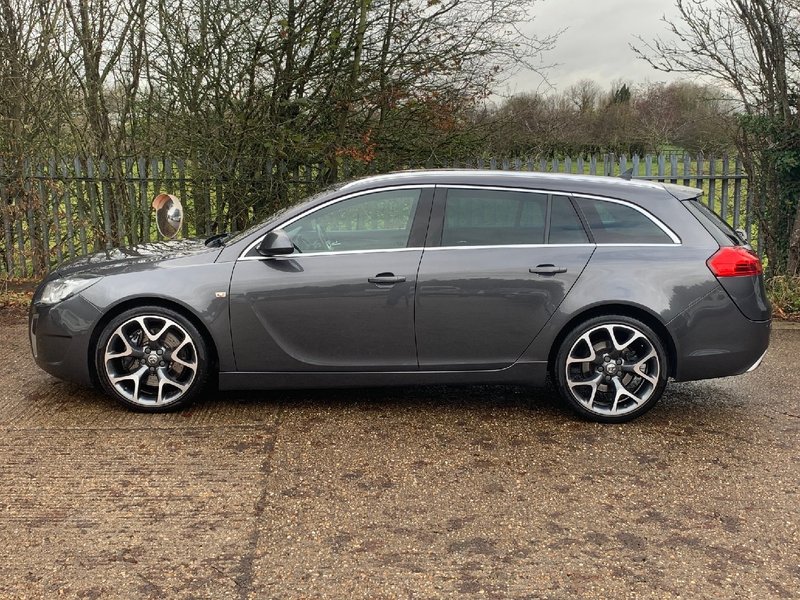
{"type": "Point", "coordinates": [496, 265]}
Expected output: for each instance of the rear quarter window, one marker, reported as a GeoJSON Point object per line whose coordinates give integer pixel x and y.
{"type": "Point", "coordinates": [613, 223]}
{"type": "Point", "coordinates": [723, 233]}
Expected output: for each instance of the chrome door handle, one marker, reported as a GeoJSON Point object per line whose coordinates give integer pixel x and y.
{"type": "Point", "coordinates": [386, 279]}
{"type": "Point", "coordinates": [547, 270]}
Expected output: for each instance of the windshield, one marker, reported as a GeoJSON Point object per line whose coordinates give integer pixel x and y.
{"type": "Point", "coordinates": [245, 232]}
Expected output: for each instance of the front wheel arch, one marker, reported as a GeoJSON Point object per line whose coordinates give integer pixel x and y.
{"type": "Point", "coordinates": [137, 302]}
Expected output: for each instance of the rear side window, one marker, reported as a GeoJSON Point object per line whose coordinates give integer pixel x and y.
{"type": "Point", "coordinates": [565, 226]}
{"type": "Point", "coordinates": [493, 218]}
{"type": "Point", "coordinates": [613, 223]}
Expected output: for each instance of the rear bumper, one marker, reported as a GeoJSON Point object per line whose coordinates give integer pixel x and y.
{"type": "Point", "coordinates": [757, 364]}
{"type": "Point", "coordinates": [714, 339]}
{"type": "Point", "coordinates": [60, 336]}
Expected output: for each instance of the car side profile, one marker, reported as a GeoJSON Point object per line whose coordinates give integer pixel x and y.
{"type": "Point", "coordinates": [609, 287]}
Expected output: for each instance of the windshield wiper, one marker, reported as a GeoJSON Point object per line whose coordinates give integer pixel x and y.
{"type": "Point", "coordinates": [218, 239]}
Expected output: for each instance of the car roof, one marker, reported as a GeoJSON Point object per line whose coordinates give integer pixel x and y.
{"type": "Point", "coordinates": [587, 184]}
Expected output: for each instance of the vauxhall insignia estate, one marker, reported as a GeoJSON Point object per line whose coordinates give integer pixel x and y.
{"type": "Point", "coordinates": [605, 287]}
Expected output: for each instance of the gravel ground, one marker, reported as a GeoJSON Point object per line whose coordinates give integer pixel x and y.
{"type": "Point", "coordinates": [398, 493]}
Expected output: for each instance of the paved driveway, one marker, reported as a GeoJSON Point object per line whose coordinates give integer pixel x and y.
{"type": "Point", "coordinates": [399, 493]}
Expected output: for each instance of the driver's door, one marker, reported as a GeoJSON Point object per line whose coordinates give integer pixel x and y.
{"type": "Point", "coordinates": [344, 300]}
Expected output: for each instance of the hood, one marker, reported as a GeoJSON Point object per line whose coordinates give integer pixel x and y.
{"type": "Point", "coordinates": [141, 257]}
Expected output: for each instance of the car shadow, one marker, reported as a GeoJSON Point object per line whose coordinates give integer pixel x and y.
{"type": "Point", "coordinates": [52, 402]}
{"type": "Point", "coordinates": [681, 404]}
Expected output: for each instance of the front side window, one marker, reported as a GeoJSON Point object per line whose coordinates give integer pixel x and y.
{"type": "Point", "coordinates": [493, 218]}
{"type": "Point", "coordinates": [376, 221]}
{"type": "Point", "coordinates": [613, 223]}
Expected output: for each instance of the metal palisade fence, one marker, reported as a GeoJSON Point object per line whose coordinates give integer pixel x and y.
{"type": "Point", "coordinates": [61, 208]}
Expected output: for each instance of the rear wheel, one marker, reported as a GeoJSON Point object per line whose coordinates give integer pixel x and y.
{"type": "Point", "coordinates": [151, 359]}
{"type": "Point", "coordinates": [611, 369]}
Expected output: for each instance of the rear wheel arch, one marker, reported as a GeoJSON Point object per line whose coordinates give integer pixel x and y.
{"type": "Point", "coordinates": [628, 310]}
{"type": "Point", "coordinates": [125, 305]}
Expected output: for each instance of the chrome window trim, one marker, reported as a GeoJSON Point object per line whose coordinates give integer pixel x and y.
{"type": "Point", "coordinates": [439, 248]}
{"type": "Point", "coordinates": [511, 246]}
{"type": "Point", "coordinates": [408, 186]}
{"type": "Point", "coordinates": [656, 221]}
{"type": "Point", "coordinates": [578, 245]}
{"type": "Point", "coordinates": [639, 245]}
{"type": "Point", "coordinates": [334, 253]}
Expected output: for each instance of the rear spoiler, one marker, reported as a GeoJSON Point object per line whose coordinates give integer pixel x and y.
{"type": "Point", "coordinates": [683, 192]}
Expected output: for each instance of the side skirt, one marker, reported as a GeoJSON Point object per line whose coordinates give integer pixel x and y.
{"type": "Point", "coordinates": [534, 373]}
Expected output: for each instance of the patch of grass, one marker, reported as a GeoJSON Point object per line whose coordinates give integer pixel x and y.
{"type": "Point", "coordinates": [784, 293]}
{"type": "Point", "coordinates": [16, 293]}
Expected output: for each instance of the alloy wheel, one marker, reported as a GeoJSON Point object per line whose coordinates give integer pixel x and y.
{"type": "Point", "coordinates": [151, 360]}
{"type": "Point", "coordinates": [612, 369]}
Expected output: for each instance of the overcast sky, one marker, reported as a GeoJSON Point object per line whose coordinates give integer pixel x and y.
{"type": "Point", "coordinates": [596, 42]}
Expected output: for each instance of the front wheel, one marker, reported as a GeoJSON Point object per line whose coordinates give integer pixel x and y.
{"type": "Point", "coordinates": [611, 369]}
{"type": "Point", "coordinates": [151, 359]}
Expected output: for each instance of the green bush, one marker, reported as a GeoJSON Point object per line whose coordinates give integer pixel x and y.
{"type": "Point", "coordinates": [784, 293]}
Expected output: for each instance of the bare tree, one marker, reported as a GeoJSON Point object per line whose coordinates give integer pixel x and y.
{"type": "Point", "coordinates": [585, 95]}
{"type": "Point", "coordinates": [30, 100]}
{"type": "Point", "coordinates": [750, 47]}
{"type": "Point", "coordinates": [689, 115]}
{"type": "Point", "coordinates": [235, 83]}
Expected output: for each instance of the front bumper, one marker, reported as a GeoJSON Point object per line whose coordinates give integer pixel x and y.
{"type": "Point", "coordinates": [60, 336]}
{"type": "Point", "coordinates": [714, 339]}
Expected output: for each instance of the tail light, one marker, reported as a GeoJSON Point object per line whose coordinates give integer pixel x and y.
{"type": "Point", "coordinates": [735, 261]}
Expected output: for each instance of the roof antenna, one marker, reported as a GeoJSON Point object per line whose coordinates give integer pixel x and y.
{"type": "Point", "coordinates": [627, 175]}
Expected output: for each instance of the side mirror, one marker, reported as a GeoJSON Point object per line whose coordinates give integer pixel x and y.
{"type": "Point", "coordinates": [742, 235]}
{"type": "Point", "coordinates": [276, 243]}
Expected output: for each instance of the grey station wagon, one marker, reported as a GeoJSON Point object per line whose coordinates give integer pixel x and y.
{"type": "Point", "coordinates": [610, 287]}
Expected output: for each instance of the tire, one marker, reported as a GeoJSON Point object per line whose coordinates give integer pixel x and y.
{"type": "Point", "coordinates": [611, 369]}
{"type": "Point", "coordinates": [158, 372]}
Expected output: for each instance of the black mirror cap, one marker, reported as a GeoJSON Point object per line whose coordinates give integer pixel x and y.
{"type": "Point", "coordinates": [276, 243]}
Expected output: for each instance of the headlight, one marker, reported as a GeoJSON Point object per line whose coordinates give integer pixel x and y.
{"type": "Point", "coordinates": [61, 289]}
